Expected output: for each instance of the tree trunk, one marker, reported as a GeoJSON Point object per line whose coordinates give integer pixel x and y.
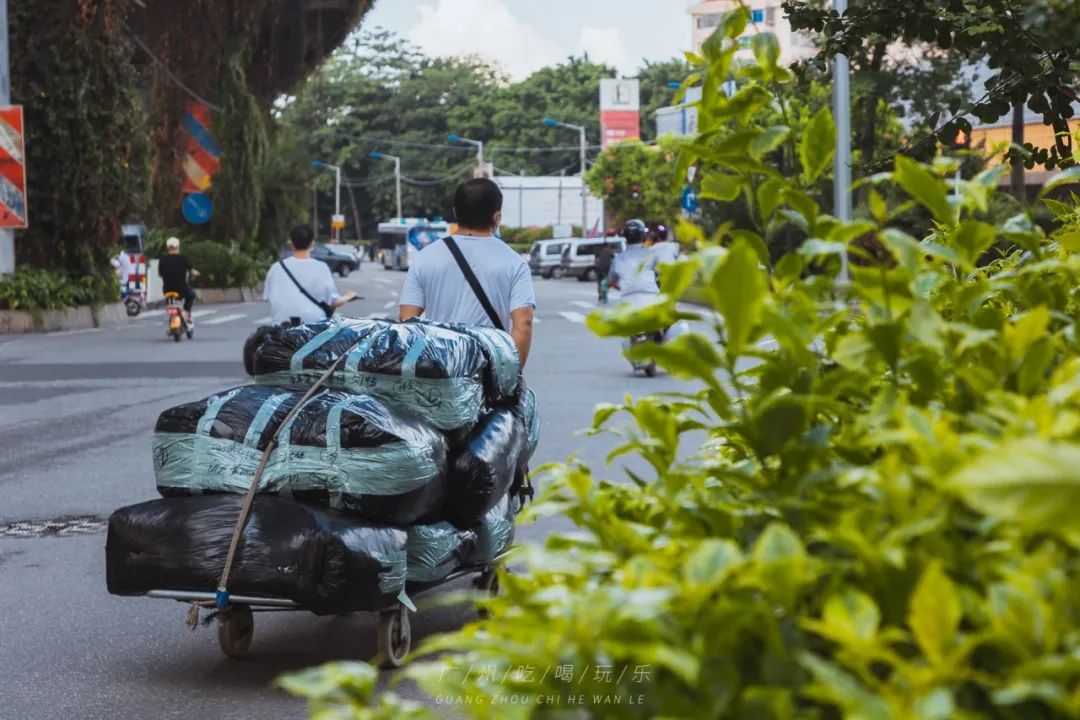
{"type": "Point", "coordinates": [1017, 179]}
{"type": "Point", "coordinates": [866, 141]}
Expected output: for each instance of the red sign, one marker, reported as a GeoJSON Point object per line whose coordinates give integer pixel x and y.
{"type": "Point", "coordinates": [13, 209]}
{"type": "Point", "coordinates": [620, 126]}
{"type": "Point", "coordinates": [202, 156]}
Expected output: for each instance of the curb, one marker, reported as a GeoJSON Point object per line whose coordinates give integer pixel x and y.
{"type": "Point", "coordinates": [84, 317]}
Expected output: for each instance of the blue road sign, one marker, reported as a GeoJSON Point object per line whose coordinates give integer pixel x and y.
{"type": "Point", "coordinates": [689, 200]}
{"type": "Point", "coordinates": [198, 207]}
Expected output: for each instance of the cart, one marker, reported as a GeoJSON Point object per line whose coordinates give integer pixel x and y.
{"type": "Point", "coordinates": [236, 622]}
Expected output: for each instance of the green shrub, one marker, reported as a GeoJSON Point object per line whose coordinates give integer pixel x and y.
{"type": "Point", "coordinates": [35, 289]}
{"type": "Point", "coordinates": [220, 266]}
{"type": "Point", "coordinates": [863, 504]}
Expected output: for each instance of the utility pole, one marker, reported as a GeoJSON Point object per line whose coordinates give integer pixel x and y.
{"type": "Point", "coordinates": [7, 237]}
{"type": "Point", "coordinates": [337, 201]}
{"type": "Point", "coordinates": [842, 168]}
{"type": "Point", "coordinates": [397, 176]}
{"type": "Point", "coordinates": [1017, 175]}
{"type": "Point", "coordinates": [584, 166]}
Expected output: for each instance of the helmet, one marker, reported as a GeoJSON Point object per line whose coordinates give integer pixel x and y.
{"type": "Point", "coordinates": [635, 231]}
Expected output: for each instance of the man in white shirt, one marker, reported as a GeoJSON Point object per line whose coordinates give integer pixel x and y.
{"type": "Point", "coordinates": [437, 288]}
{"type": "Point", "coordinates": [287, 299]}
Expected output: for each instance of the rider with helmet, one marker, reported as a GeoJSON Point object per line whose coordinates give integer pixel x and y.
{"type": "Point", "coordinates": [633, 271]}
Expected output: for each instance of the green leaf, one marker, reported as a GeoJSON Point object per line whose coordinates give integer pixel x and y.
{"type": "Point", "coordinates": [921, 184]}
{"type": "Point", "coordinates": [817, 145]}
{"type": "Point", "coordinates": [689, 357]}
{"type": "Point", "coordinates": [878, 209]}
{"type": "Point", "coordinates": [815, 247]}
{"type": "Point", "coordinates": [720, 186]}
{"type": "Point", "coordinates": [712, 562]}
{"type": "Point", "coordinates": [1030, 481]}
{"type": "Point", "coordinates": [851, 615]}
{"type": "Point", "coordinates": [739, 288]}
{"type": "Point", "coordinates": [843, 690]}
{"type": "Point", "coordinates": [770, 139]}
{"type": "Point", "coordinates": [1025, 330]}
{"type": "Point", "coordinates": [1065, 177]}
{"type": "Point", "coordinates": [777, 421]}
{"type": "Point", "coordinates": [766, 49]}
{"type": "Point", "coordinates": [1068, 239]}
{"type": "Point", "coordinates": [770, 196]}
{"type": "Point", "coordinates": [934, 614]}
{"type": "Point", "coordinates": [973, 238]}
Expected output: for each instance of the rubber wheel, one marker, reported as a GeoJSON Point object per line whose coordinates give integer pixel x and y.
{"type": "Point", "coordinates": [546, 275]}
{"type": "Point", "coordinates": [487, 583]}
{"type": "Point", "coordinates": [590, 275]}
{"type": "Point", "coordinates": [133, 310]}
{"type": "Point", "coordinates": [190, 334]}
{"type": "Point", "coordinates": [558, 273]}
{"type": "Point", "coordinates": [394, 637]}
{"type": "Point", "coordinates": [650, 370]}
{"type": "Point", "coordinates": [236, 628]}
{"type": "Point", "coordinates": [176, 336]}
{"type": "Point", "coordinates": [344, 271]}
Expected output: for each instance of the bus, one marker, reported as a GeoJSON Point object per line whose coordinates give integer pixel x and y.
{"type": "Point", "coordinates": [399, 240]}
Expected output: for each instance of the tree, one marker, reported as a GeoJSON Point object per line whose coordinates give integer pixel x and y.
{"type": "Point", "coordinates": [1030, 45]}
{"type": "Point", "coordinates": [638, 181]}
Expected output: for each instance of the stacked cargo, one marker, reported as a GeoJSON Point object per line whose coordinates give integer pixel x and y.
{"type": "Point", "coordinates": [406, 466]}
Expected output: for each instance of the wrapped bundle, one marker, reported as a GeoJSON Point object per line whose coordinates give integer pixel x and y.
{"type": "Point", "coordinates": [495, 533]}
{"type": "Point", "coordinates": [420, 368]}
{"type": "Point", "coordinates": [486, 464]}
{"type": "Point", "coordinates": [436, 550]}
{"type": "Point", "coordinates": [343, 451]}
{"type": "Point", "coordinates": [322, 560]}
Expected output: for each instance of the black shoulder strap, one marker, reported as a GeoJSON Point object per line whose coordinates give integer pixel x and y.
{"type": "Point", "coordinates": [321, 305]}
{"type": "Point", "coordinates": [470, 277]}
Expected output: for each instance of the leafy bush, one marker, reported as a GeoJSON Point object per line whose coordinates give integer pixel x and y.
{"type": "Point", "coordinates": [220, 266]}
{"type": "Point", "coordinates": [529, 235]}
{"type": "Point", "coordinates": [864, 506]}
{"type": "Point", "coordinates": [35, 289]}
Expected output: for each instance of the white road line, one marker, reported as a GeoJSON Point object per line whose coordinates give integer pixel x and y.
{"type": "Point", "coordinates": [573, 316]}
{"type": "Point", "coordinates": [389, 304]}
{"type": "Point", "coordinates": [201, 313]}
{"type": "Point", "coordinates": [263, 321]}
{"type": "Point", "coordinates": [66, 333]}
{"type": "Point", "coordinates": [151, 313]}
{"type": "Point", "coordinates": [224, 319]}
{"type": "Point", "coordinates": [583, 304]}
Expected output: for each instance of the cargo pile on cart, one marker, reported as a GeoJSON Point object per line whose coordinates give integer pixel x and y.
{"type": "Point", "coordinates": [389, 458]}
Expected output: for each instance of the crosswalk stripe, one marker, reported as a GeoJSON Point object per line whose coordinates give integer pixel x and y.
{"type": "Point", "coordinates": [224, 319]}
{"type": "Point", "coordinates": [202, 313]}
{"type": "Point", "coordinates": [573, 316]}
{"type": "Point", "coordinates": [583, 304]}
{"type": "Point", "coordinates": [389, 304]}
{"type": "Point", "coordinates": [263, 321]}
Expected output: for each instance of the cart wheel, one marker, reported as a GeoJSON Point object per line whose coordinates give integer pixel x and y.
{"type": "Point", "coordinates": [394, 637]}
{"type": "Point", "coordinates": [488, 584]}
{"type": "Point", "coordinates": [650, 370]}
{"type": "Point", "coordinates": [236, 628]}
{"type": "Point", "coordinates": [190, 334]}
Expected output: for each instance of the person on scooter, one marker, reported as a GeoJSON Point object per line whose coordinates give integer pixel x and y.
{"type": "Point", "coordinates": [176, 275]}
{"type": "Point", "coordinates": [604, 259]}
{"type": "Point", "coordinates": [633, 271]}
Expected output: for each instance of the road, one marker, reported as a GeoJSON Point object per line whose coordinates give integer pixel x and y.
{"type": "Point", "coordinates": [76, 415]}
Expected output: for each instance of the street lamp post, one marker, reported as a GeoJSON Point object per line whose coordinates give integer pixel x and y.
{"type": "Point", "coordinates": [842, 167]}
{"type": "Point", "coordinates": [479, 150]}
{"type": "Point", "coordinates": [397, 176]}
{"type": "Point", "coordinates": [319, 165]}
{"type": "Point", "coordinates": [584, 163]}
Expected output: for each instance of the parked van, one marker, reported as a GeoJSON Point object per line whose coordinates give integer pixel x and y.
{"type": "Point", "coordinates": [545, 258]}
{"type": "Point", "coordinates": [579, 256]}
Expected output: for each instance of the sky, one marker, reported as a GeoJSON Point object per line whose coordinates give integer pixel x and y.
{"type": "Point", "coordinates": [522, 36]}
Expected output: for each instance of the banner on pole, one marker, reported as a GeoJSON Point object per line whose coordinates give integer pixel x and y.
{"type": "Point", "coordinates": [13, 201]}
{"type": "Point", "coordinates": [620, 111]}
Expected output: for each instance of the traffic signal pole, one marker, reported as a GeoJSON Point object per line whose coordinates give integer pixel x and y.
{"type": "Point", "coordinates": [842, 167]}
{"type": "Point", "coordinates": [7, 237]}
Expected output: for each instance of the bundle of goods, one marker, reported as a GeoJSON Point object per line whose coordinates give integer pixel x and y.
{"type": "Point", "coordinates": [339, 450]}
{"type": "Point", "coordinates": [440, 373]}
{"type": "Point", "coordinates": [492, 457]}
{"type": "Point", "coordinates": [325, 561]}
{"type": "Point", "coordinates": [404, 466]}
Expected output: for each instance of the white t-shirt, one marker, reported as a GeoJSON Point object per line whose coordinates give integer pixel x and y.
{"type": "Point", "coordinates": [635, 269]}
{"type": "Point", "coordinates": [286, 300]}
{"type": "Point", "coordinates": [666, 251]}
{"type": "Point", "coordinates": [436, 283]}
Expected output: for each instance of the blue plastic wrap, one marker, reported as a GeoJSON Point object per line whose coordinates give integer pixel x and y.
{"type": "Point", "coordinates": [436, 550]}
{"type": "Point", "coordinates": [495, 533]}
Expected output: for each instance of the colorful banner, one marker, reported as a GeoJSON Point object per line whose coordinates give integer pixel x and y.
{"type": "Point", "coordinates": [202, 157]}
{"type": "Point", "coordinates": [13, 204]}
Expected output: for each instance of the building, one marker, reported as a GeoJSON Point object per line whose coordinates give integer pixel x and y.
{"type": "Point", "coordinates": [766, 16]}
{"type": "Point", "coordinates": [545, 200]}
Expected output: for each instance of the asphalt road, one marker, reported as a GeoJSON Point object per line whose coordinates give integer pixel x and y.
{"type": "Point", "coordinates": [76, 415]}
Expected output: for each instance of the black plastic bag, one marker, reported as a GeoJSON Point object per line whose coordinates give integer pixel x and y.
{"type": "Point", "coordinates": [484, 467]}
{"type": "Point", "coordinates": [436, 550]}
{"type": "Point", "coordinates": [326, 562]}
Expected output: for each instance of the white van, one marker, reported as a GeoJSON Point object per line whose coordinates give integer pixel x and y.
{"type": "Point", "coordinates": [579, 256]}
{"type": "Point", "coordinates": [545, 258]}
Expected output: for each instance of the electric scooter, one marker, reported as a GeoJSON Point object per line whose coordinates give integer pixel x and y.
{"type": "Point", "coordinates": [174, 312]}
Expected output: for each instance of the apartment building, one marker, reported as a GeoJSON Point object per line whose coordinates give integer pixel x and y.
{"type": "Point", "coordinates": [766, 16]}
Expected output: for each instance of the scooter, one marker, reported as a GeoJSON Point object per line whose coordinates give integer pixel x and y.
{"type": "Point", "coordinates": [178, 324]}
{"type": "Point", "coordinates": [648, 368]}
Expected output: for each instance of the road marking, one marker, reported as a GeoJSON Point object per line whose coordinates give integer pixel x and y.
{"type": "Point", "coordinates": [583, 304]}
{"type": "Point", "coordinates": [389, 305]}
{"type": "Point", "coordinates": [224, 319]}
{"type": "Point", "coordinates": [151, 313]}
{"type": "Point", "coordinates": [264, 321]}
{"type": "Point", "coordinates": [381, 281]}
{"type": "Point", "coordinates": [66, 333]}
{"type": "Point", "coordinates": [573, 316]}
{"type": "Point", "coordinates": [201, 313]}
